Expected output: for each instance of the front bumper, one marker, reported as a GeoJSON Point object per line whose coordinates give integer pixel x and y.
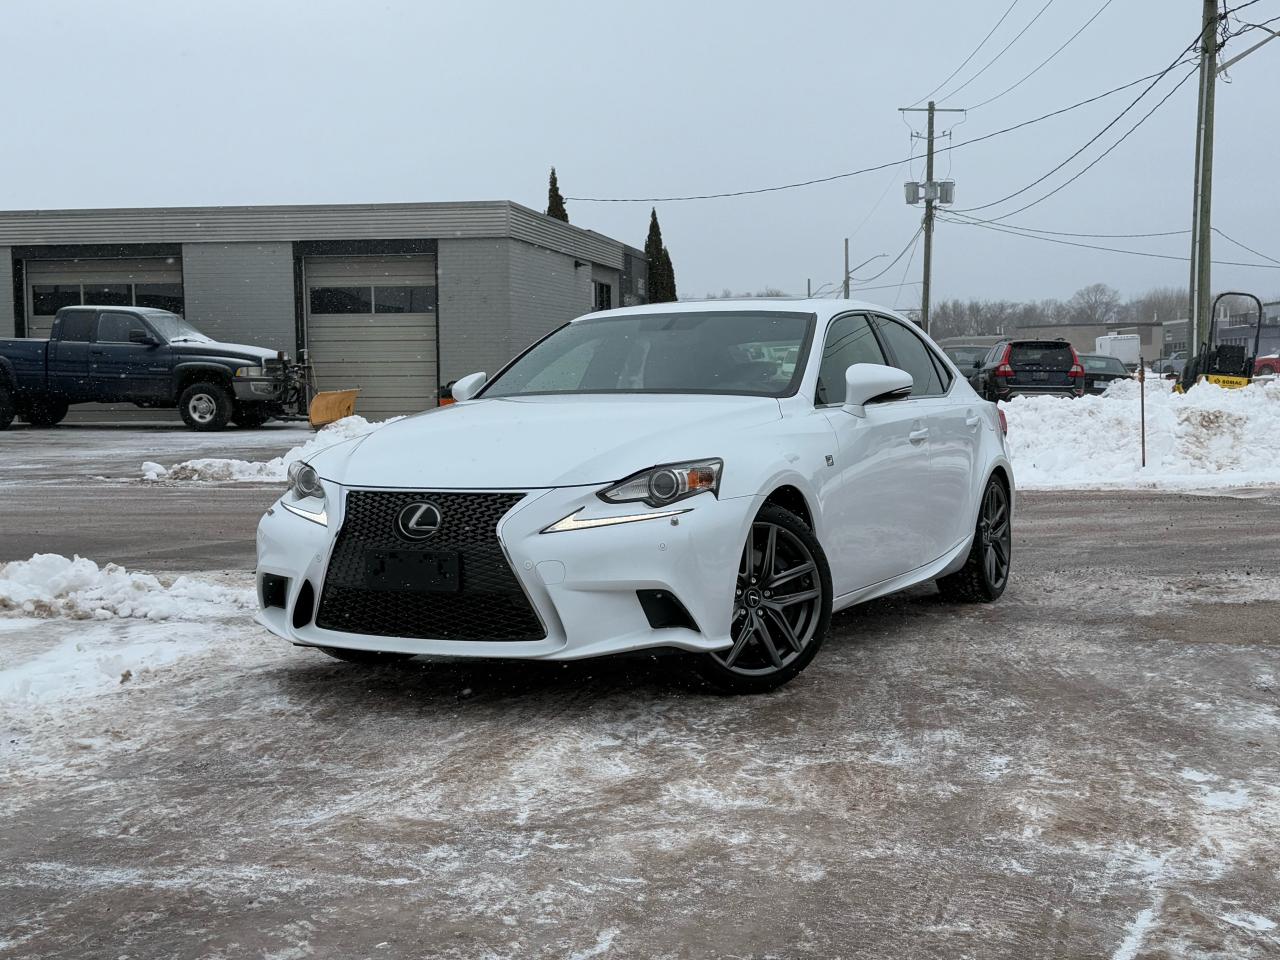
{"type": "Point", "coordinates": [582, 584]}
{"type": "Point", "coordinates": [258, 389]}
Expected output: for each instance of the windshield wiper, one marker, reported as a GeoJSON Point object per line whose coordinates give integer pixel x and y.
{"type": "Point", "coordinates": [191, 340]}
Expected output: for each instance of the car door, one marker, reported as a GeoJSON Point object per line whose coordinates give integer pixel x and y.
{"type": "Point", "coordinates": [875, 504]}
{"type": "Point", "coordinates": [955, 426]}
{"type": "Point", "coordinates": [123, 370]}
{"type": "Point", "coordinates": [69, 359]}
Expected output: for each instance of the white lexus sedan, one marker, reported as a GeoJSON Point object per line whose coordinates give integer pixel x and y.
{"type": "Point", "coordinates": [714, 477]}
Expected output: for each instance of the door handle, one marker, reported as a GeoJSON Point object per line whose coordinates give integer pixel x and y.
{"type": "Point", "coordinates": [97, 353]}
{"type": "Point", "coordinates": [918, 436]}
{"type": "Point", "coordinates": [972, 420]}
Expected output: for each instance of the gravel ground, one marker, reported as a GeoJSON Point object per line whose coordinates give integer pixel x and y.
{"type": "Point", "coordinates": [1087, 768]}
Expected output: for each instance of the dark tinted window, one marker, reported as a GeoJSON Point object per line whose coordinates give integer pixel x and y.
{"type": "Point", "coordinates": [734, 352]}
{"type": "Point", "coordinates": [116, 327]}
{"type": "Point", "coordinates": [404, 299]}
{"type": "Point", "coordinates": [48, 298]}
{"type": "Point", "coordinates": [849, 341]}
{"type": "Point", "coordinates": [602, 295]}
{"type": "Point", "coordinates": [162, 296]}
{"type": "Point", "coordinates": [341, 300]}
{"type": "Point", "coordinates": [109, 294]}
{"type": "Point", "coordinates": [76, 326]}
{"type": "Point", "coordinates": [910, 354]}
{"type": "Point", "coordinates": [1052, 354]}
{"type": "Point", "coordinates": [1097, 364]}
{"type": "Point", "coordinates": [940, 368]}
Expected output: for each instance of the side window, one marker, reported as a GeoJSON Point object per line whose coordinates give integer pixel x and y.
{"type": "Point", "coordinates": [76, 326]}
{"type": "Point", "coordinates": [910, 354]}
{"type": "Point", "coordinates": [849, 341]}
{"type": "Point", "coordinates": [944, 375]}
{"type": "Point", "coordinates": [116, 327]}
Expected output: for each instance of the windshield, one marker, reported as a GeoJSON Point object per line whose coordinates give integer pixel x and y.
{"type": "Point", "coordinates": [1094, 363]}
{"type": "Point", "coordinates": [172, 327]}
{"type": "Point", "coordinates": [1054, 354]}
{"type": "Point", "coordinates": [966, 356]}
{"type": "Point", "coordinates": [756, 353]}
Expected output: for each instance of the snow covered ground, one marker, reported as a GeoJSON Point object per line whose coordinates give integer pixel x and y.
{"type": "Point", "coordinates": [275, 469]}
{"type": "Point", "coordinates": [1209, 438]}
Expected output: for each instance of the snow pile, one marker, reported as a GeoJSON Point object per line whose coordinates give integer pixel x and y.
{"type": "Point", "coordinates": [49, 585]}
{"type": "Point", "coordinates": [1208, 437]}
{"type": "Point", "coordinates": [271, 470]}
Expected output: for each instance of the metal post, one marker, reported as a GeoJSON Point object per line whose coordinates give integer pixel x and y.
{"type": "Point", "coordinates": [1142, 405]}
{"type": "Point", "coordinates": [846, 268]}
{"type": "Point", "coordinates": [1201, 219]}
{"type": "Point", "coordinates": [928, 229]}
{"type": "Point", "coordinates": [808, 287]}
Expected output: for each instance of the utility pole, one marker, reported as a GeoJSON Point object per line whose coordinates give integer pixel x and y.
{"type": "Point", "coordinates": [808, 288]}
{"type": "Point", "coordinates": [846, 268]}
{"type": "Point", "coordinates": [933, 193]}
{"type": "Point", "coordinates": [1201, 218]}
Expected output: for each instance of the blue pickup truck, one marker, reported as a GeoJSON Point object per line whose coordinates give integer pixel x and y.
{"type": "Point", "coordinates": [152, 358]}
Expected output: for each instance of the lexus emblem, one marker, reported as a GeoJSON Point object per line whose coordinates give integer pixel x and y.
{"type": "Point", "coordinates": [418, 521]}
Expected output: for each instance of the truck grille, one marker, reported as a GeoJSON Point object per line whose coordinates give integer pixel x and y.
{"type": "Point", "coordinates": [490, 605]}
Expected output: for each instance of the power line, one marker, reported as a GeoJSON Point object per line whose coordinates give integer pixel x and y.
{"type": "Point", "coordinates": [1093, 163]}
{"type": "Point", "coordinates": [1065, 233]}
{"type": "Point", "coordinates": [910, 246]}
{"type": "Point", "coordinates": [873, 169]}
{"type": "Point", "coordinates": [1092, 140]}
{"type": "Point", "coordinates": [1002, 52]}
{"type": "Point", "coordinates": [1045, 62]}
{"type": "Point", "coordinates": [905, 270]}
{"type": "Point", "coordinates": [981, 44]}
{"type": "Point", "coordinates": [1243, 247]}
{"type": "Point", "coordinates": [1000, 228]}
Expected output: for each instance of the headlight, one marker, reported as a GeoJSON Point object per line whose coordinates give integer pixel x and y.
{"type": "Point", "coordinates": [304, 481]}
{"type": "Point", "coordinates": [251, 371]}
{"type": "Point", "coordinates": [667, 483]}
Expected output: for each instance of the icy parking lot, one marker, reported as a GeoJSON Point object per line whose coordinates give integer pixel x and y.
{"type": "Point", "coordinates": [1086, 768]}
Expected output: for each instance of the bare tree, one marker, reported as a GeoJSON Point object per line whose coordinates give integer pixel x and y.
{"type": "Point", "coordinates": [1096, 303]}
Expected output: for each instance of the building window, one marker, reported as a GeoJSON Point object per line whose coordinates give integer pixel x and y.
{"type": "Point", "coordinates": [341, 300]}
{"type": "Point", "coordinates": [404, 299]}
{"type": "Point", "coordinates": [162, 296]}
{"type": "Point", "coordinates": [48, 298]}
{"type": "Point", "coordinates": [603, 295]}
{"type": "Point", "coordinates": [108, 294]}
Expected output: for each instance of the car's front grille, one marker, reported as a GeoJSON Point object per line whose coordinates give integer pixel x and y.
{"type": "Point", "coordinates": [489, 604]}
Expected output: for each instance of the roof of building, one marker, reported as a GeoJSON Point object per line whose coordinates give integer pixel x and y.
{"type": "Point", "coordinates": [346, 221]}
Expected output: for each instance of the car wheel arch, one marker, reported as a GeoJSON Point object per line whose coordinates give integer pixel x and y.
{"type": "Point", "coordinates": [792, 499]}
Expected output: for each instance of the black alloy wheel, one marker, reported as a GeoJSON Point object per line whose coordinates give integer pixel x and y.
{"type": "Point", "coordinates": [985, 573]}
{"type": "Point", "coordinates": [781, 607]}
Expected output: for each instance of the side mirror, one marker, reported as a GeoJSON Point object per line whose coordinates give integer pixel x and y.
{"type": "Point", "coordinates": [867, 382]}
{"type": "Point", "coordinates": [468, 386]}
{"type": "Point", "coordinates": [143, 338]}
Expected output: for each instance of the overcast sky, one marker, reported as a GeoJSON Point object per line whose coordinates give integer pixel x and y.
{"type": "Point", "coordinates": [139, 103]}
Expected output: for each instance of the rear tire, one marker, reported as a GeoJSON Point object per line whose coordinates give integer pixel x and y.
{"type": "Point", "coordinates": [249, 415]}
{"type": "Point", "coordinates": [1266, 371]}
{"type": "Point", "coordinates": [7, 409]}
{"type": "Point", "coordinates": [364, 657]}
{"type": "Point", "coordinates": [782, 607]}
{"type": "Point", "coordinates": [45, 411]}
{"type": "Point", "coordinates": [206, 406]}
{"type": "Point", "coordinates": [986, 571]}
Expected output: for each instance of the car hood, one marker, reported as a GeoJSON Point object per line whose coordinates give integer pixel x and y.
{"type": "Point", "coordinates": [231, 351]}
{"type": "Point", "coordinates": [549, 441]}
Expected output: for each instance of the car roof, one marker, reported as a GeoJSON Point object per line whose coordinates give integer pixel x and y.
{"type": "Point", "coordinates": [824, 309]}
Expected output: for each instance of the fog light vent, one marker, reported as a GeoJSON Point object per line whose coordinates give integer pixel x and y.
{"type": "Point", "coordinates": [273, 591]}
{"type": "Point", "coordinates": [305, 606]}
{"type": "Point", "coordinates": [662, 609]}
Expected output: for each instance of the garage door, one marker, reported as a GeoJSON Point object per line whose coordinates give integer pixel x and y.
{"type": "Point", "coordinates": [142, 282]}
{"type": "Point", "coordinates": [371, 324]}
{"type": "Point", "coordinates": [147, 282]}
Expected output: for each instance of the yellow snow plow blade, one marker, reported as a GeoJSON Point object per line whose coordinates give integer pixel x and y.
{"type": "Point", "coordinates": [332, 405]}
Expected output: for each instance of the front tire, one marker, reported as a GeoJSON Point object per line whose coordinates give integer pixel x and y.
{"type": "Point", "coordinates": [206, 406]}
{"type": "Point", "coordinates": [45, 411]}
{"type": "Point", "coordinates": [985, 573]}
{"type": "Point", "coordinates": [782, 607]}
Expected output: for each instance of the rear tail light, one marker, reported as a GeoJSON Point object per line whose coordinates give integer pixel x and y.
{"type": "Point", "coordinates": [1077, 370]}
{"type": "Point", "coordinates": [1005, 369]}
{"type": "Point", "coordinates": [1004, 422]}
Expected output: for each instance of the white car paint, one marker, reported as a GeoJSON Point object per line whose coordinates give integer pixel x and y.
{"type": "Point", "coordinates": [892, 490]}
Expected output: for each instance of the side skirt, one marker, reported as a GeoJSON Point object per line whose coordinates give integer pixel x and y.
{"type": "Point", "coordinates": [951, 560]}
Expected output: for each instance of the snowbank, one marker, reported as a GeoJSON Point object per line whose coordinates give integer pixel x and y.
{"type": "Point", "coordinates": [270, 470]}
{"type": "Point", "coordinates": [1208, 437]}
{"type": "Point", "coordinates": [49, 586]}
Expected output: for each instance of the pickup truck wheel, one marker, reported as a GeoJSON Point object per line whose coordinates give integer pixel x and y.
{"type": "Point", "coordinates": [206, 406]}
{"type": "Point", "coordinates": [249, 415]}
{"type": "Point", "coordinates": [45, 411]}
{"type": "Point", "coordinates": [7, 411]}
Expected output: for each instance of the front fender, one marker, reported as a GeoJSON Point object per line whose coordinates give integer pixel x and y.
{"type": "Point", "coordinates": [193, 370]}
